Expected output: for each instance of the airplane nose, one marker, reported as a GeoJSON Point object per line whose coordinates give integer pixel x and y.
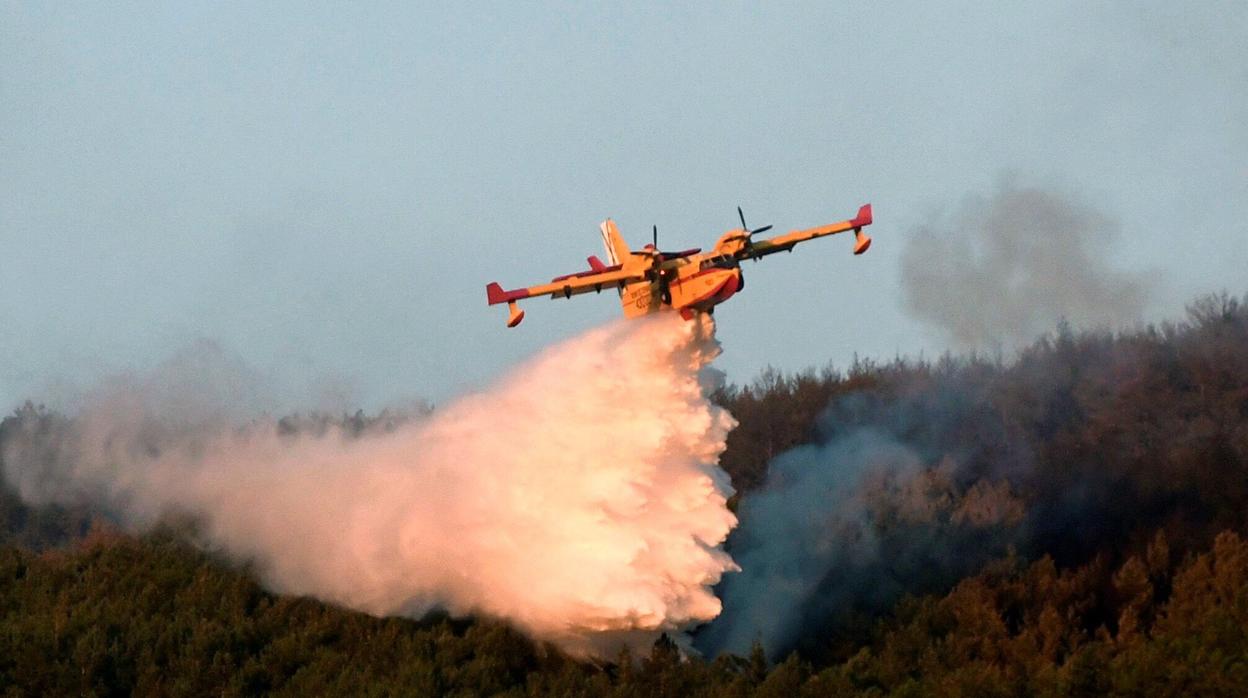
{"type": "Point", "coordinates": [731, 285]}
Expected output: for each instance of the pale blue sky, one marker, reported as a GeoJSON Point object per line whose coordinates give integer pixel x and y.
{"type": "Point", "coordinates": [324, 190]}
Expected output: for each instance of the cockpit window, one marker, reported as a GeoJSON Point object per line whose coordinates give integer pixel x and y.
{"type": "Point", "coordinates": [719, 261]}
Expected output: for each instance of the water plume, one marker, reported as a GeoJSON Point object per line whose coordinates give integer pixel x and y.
{"type": "Point", "coordinates": [579, 498]}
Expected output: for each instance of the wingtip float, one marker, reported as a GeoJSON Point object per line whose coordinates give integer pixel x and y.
{"type": "Point", "coordinates": [650, 280]}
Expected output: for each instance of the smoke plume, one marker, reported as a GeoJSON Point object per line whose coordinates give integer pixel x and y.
{"type": "Point", "coordinates": [1011, 266]}
{"type": "Point", "coordinates": [916, 474]}
{"type": "Point", "coordinates": [850, 525]}
{"type": "Point", "coordinates": [579, 498]}
{"type": "Point", "coordinates": [896, 494]}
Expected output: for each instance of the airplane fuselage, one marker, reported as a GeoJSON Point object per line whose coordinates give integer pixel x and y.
{"type": "Point", "coordinates": [686, 284]}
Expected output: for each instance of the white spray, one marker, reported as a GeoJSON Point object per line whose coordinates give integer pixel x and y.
{"type": "Point", "coordinates": [580, 498]}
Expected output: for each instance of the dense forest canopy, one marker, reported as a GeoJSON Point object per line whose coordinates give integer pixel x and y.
{"type": "Point", "coordinates": [1070, 521]}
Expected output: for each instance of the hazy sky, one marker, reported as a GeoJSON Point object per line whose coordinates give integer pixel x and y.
{"type": "Point", "coordinates": [324, 191]}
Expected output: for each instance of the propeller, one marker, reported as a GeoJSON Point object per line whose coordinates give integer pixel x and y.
{"type": "Point", "coordinates": [746, 228]}
{"type": "Point", "coordinates": [665, 291]}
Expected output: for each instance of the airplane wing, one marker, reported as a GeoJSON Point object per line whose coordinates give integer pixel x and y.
{"type": "Point", "coordinates": [598, 277]}
{"type": "Point", "coordinates": [781, 243]}
{"type": "Point", "coordinates": [667, 256]}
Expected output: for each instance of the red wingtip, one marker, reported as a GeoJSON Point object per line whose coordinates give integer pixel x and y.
{"type": "Point", "coordinates": [863, 217]}
{"type": "Point", "coordinates": [494, 293]}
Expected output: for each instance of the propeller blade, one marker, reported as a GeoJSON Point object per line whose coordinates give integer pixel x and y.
{"type": "Point", "coordinates": [742, 215]}
{"type": "Point", "coordinates": [656, 237]}
{"type": "Point", "coordinates": [763, 229]}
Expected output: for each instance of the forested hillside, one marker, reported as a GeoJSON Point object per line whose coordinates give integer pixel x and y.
{"type": "Point", "coordinates": [1080, 523]}
{"type": "Point", "coordinates": [1082, 448]}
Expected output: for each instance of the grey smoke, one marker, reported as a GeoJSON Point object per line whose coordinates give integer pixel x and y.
{"type": "Point", "coordinates": [804, 522]}
{"type": "Point", "coordinates": [1014, 264]}
{"type": "Point", "coordinates": [905, 488]}
{"type": "Point", "coordinates": [850, 524]}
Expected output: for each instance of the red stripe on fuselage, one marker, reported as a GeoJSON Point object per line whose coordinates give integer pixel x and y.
{"type": "Point", "coordinates": [718, 293]}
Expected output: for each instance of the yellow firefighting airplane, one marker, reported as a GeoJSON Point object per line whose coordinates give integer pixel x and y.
{"type": "Point", "coordinates": [650, 280]}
